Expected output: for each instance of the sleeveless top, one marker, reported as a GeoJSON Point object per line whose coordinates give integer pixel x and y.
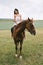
{"type": "Point", "coordinates": [17, 20]}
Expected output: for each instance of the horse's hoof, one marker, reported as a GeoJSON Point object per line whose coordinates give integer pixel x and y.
{"type": "Point", "coordinates": [20, 57]}
{"type": "Point", "coordinates": [16, 55]}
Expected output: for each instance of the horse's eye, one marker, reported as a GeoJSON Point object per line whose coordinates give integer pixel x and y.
{"type": "Point", "coordinates": [31, 25]}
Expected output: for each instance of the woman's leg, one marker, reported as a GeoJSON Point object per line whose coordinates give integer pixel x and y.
{"type": "Point", "coordinates": [12, 29]}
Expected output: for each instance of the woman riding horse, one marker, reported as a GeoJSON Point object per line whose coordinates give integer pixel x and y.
{"type": "Point", "coordinates": [18, 33]}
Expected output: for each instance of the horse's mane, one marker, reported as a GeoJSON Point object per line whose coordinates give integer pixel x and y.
{"type": "Point", "coordinates": [20, 24]}
{"type": "Point", "coordinates": [20, 27]}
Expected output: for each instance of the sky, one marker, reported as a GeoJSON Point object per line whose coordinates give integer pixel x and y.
{"type": "Point", "coordinates": [27, 8]}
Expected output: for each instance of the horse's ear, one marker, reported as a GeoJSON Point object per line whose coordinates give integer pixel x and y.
{"type": "Point", "coordinates": [32, 19]}
{"type": "Point", "coordinates": [28, 18]}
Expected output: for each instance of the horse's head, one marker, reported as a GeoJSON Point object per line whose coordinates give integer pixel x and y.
{"type": "Point", "coordinates": [30, 27]}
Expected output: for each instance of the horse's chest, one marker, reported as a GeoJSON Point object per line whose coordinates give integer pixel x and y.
{"type": "Point", "coordinates": [19, 37]}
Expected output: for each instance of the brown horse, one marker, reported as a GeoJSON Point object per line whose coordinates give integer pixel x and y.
{"type": "Point", "coordinates": [19, 34]}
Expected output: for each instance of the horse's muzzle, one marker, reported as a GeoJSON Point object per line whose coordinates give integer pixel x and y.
{"type": "Point", "coordinates": [34, 33]}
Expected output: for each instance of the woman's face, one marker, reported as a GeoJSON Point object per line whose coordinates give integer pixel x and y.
{"type": "Point", "coordinates": [16, 12]}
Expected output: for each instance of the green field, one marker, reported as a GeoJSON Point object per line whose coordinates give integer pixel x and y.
{"type": "Point", "coordinates": [32, 47]}
{"type": "Point", "coordinates": [7, 24]}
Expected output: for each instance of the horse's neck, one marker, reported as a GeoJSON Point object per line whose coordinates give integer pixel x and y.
{"type": "Point", "coordinates": [21, 28]}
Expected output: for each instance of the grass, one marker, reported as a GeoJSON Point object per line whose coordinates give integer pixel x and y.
{"type": "Point", "coordinates": [6, 24]}
{"type": "Point", "coordinates": [32, 47]}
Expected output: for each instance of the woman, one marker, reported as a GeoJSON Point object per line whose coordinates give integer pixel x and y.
{"type": "Point", "coordinates": [17, 18]}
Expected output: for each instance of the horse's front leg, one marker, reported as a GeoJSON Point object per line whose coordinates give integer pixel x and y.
{"type": "Point", "coordinates": [20, 49]}
{"type": "Point", "coordinates": [16, 48]}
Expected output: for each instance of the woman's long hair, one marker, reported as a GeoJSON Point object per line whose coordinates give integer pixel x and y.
{"type": "Point", "coordinates": [15, 11]}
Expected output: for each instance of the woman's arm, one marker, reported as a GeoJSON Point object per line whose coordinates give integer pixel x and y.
{"type": "Point", "coordinates": [15, 19]}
